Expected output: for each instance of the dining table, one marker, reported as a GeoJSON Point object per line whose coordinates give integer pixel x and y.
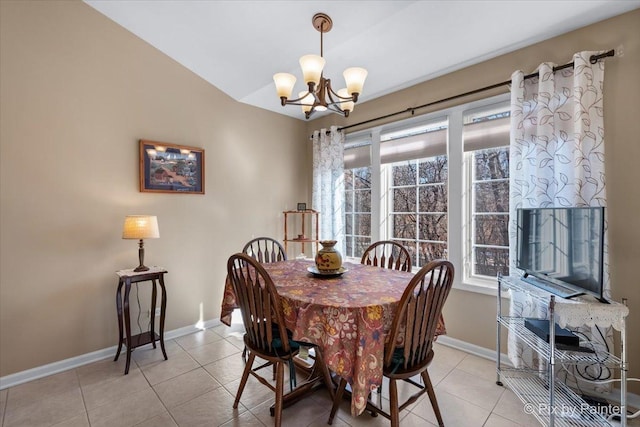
{"type": "Point", "coordinates": [347, 316]}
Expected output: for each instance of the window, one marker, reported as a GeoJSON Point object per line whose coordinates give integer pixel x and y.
{"type": "Point", "coordinates": [418, 216]}
{"type": "Point", "coordinates": [439, 194]}
{"type": "Point", "coordinates": [490, 212]}
{"type": "Point", "coordinates": [357, 197]}
{"type": "Point", "coordinates": [357, 210]}
{"type": "Point", "coordinates": [486, 144]}
{"type": "Point", "coordinates": [414, 166]}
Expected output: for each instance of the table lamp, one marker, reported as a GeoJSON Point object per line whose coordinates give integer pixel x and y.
{"type": "Point", "coordinates": [140, 227]}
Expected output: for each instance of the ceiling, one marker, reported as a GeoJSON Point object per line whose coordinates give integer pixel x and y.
{"type": "Point", "coordinates": [237, 46]}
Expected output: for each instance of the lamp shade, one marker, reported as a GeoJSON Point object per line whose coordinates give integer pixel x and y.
{"type": "Point", "coordinates": [312, 66]}
{"type": "Point", "coordinates": [284, 84]}
{"type": "Point", "coordinates": [355, 77]}
{"type": "Point", "coordinates": [140, 227]}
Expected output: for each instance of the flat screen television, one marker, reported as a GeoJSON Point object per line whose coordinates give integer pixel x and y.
{"type": "Point", "coordinates": [561, 249]}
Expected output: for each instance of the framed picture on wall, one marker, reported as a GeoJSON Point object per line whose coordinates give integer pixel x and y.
{"type": "Point", "coordinates": [302, 206]}
{"type": "Point", "coordinates": [171, 168]}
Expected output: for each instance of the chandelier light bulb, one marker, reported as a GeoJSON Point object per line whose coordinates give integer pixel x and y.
{"type": "Point", "coordinates": [345, 105]}
{"type": "Point", "coordinates": [306, 101]}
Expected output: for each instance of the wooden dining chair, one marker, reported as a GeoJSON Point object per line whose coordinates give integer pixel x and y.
{"type": "Point", "coordinates": [387, 254]}
{"type": "Point", "coordinates": [266, 336]}
{"type": "Point", "coordinates": [265, 250]}
{"type": "Point", "coordinates": [408, 350]}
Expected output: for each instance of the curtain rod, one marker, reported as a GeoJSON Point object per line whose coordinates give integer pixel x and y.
{"type": "Point", "coordinates": [593, 59]}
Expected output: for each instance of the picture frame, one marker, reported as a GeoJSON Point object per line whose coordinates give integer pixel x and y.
{"type": "Point", "coordinates": [171, 168]}
{"type": "Point", "coordinates": [302, 206]}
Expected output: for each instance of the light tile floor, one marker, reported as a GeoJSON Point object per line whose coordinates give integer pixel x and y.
{"type": "Point", "coordinates": [197, 386]}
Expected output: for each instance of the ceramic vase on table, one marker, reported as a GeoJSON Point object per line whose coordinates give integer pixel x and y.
{"type": "Point", "coordinates": [328, 259]}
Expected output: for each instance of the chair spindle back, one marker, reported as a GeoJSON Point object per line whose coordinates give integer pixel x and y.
{"type": "Point", "coordinates": [418, 313]}
{"type": "Point", "coordinates": [259, 303]}
{"type": "Point", "coordinates": [265, 250]}
{"type": "Point", "coordinates": [387, 254]}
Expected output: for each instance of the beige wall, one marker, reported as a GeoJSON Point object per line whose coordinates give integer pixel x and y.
{"type": "Point", "coordinates": [471, 317]}
{"type": "Point", "coordinates": [77, 92]}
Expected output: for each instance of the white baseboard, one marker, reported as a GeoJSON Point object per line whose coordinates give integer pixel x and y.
{"type": "Point", "coordinates": [84, 359]}
{"type": "Point", "coordinates": [483, 352]}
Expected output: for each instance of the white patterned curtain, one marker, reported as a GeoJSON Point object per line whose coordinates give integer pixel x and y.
{"type": "Point", "coordinates": [328, 184]}
{"type": "Point", "coordinates": [556, 160]}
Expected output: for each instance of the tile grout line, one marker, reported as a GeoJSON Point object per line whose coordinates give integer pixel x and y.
{"type": "Point", "coordinates": [154, 390]}
{"type": "Point", "coordinates": [84, 402]}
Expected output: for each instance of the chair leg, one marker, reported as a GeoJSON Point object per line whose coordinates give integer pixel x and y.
{"type": "Point", "coordinates": [337, 399]}
{"type": "Point", "coordinates": [279, 368]}
{"type": "Point", "coordinates": [245, 377]}
{"type": "Point", "coordinates": [393, 403]}
{"type": "Point", "coordinates": [432, 397]}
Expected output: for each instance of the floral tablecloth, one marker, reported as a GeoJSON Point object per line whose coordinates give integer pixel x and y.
{"type": "Point", "coordinates": [347, 316]}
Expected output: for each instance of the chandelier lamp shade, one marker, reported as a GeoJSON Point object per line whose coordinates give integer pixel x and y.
{"type": "Point", "coordinates": [320, 96]}
{"type": "Point", "coordinates": [140, 227]}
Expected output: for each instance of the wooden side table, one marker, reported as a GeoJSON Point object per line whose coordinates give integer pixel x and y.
{"type": "Point", "coordinates": [126, 278]}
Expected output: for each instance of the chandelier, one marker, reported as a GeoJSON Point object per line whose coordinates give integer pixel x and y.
{"type": "Point", "coordinates": [319, 95]}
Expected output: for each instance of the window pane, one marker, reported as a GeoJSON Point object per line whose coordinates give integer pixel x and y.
{"type": "Point", "coordinates": [361, 243]}
{"type": "Point", "coordinates": [348, 201]}
{"type": "Point", "coordinates": [404, 199]}
{"type": "Point", "coordinates": [433, 227]}
{"type": "Point", "coordinates": [362, 225]}
{"type": "Point", "coordinates": [404, 174]}
{"type": "Point", "coordinates": [404, 226]}
{"type": "Point", "coordinates": [492, 196]}
{"type": "Point", "coordinates": [492, 164]}
{"type": "Point", "coordinates": [362, 178]}
{"type": "Point", "coordinates": [431, 251]}
{"type": "Point", "coordinates": [433, 170]}
{"type": "Point", "coordinates": [348, 224]}
{"type": "Point", "coordinates": [433, 198]}
{"type": "Point", "coordinates": [348, 246]}
{"type": "Point", "coordinates": [492, 230]}
{"type": "Point", "coordinates": [348, 178]}
{"type": "Point", "coordinates": [490, 261]}
{"type": "Point", "coordinates": [363, 201]}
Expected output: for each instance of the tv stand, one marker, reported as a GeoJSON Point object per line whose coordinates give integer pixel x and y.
{"type": "Point", "coordinates": [555, 403]}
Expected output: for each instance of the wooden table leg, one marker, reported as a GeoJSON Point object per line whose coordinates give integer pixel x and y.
{"type": "Point", "coordinates": [152, 316]}
{"type": "Point", "coordinates": [119, 311]}
{"type": "Point", "coordinates": [127, 323]}
{"type": "Point", "coordinates": [163, 313]}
